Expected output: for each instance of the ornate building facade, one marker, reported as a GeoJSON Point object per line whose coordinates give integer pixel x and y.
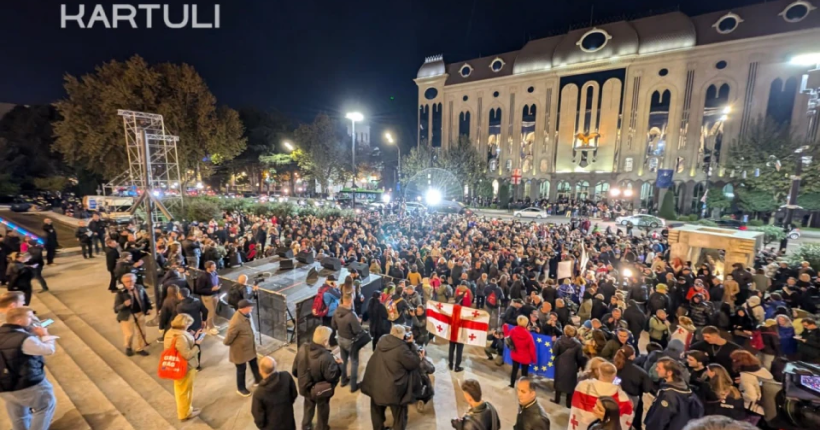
{"type": "Point", "coordinates": [606, 107]}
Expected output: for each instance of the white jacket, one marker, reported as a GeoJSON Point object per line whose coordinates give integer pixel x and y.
{"type": "Point", "coordinates": [750, 388]}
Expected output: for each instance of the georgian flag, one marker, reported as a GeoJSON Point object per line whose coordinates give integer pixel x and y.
{"type": "Point", "coordinates": [457, 323]}
{"type": "Point", "coordinates": [683, 335]}
{"type": "Point", "coordinates": [586, 395]}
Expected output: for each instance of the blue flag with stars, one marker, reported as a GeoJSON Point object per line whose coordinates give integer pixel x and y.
{"type": "Point", "coordinates": [544, 364]}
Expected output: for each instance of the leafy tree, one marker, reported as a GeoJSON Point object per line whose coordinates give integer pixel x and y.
{"type": "Point", "coordinates": [717, 200]}
{"type": "Point", "coordinates": [667, 210]}
{"type": "Point", "coordinates": [7, 186]}
{"type": "Point", "coordinates": [771, 233]}
{"type": "Point", "coordinates": [264, 132]}
{"type": "Point", "coordinates": [26, 141]}
{"type": "Point", "coordinates": [321, 151]}
{"type": "Point", "coordinates": [462, 160]}
{"type": "Point", "coordinates": [807, 252]}
{"type": "Point", "coordinates": [754, 200]}
{"type": "Point", "coordinates": [418, 159]}
{"type": "Point", "coordinates": [90, 134]}
{"type": "Point", "coordinates": [51, 183]}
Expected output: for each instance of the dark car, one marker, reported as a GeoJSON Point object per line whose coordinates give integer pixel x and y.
{"type": "Point", "coordinates": [451, 207]}
{"type": "Point", "coordinates": [731, 223]}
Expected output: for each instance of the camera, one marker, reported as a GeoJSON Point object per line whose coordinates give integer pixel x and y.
{"type": "Point", "coordinates": [799, 400]}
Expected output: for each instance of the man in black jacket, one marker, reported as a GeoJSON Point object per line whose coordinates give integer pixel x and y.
{"type": "Point", "coordinates": [50, 239]}
{"type": "Point", "coordinates": [83, 235]}
{"type": "Point", "coordinates": [97, 228]}
{"type": "Point", "coordinates": [394, 360]}
{"type": "Point", "coordinates": [207, 287]}
{"type": "Point", "coordinates": [132, 305]}
{"type": "Point", "coordinates": [273, 399]}
{"type": "Point", "coordinates": [314, 364]}
{"type": "Point", "coordinates": [193, 307]}
{"type": "Point", "coordinates": [36, 253]}
{"type": "Point", "coordinates": [531, 416]}
{"type": "Point", "coordinates": [112, 254]}
{"type": "Point", "coordinates": [482, 415]}
{"type": "Point", "coordinates": [347, 326]}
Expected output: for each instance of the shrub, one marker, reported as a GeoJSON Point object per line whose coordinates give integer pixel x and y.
{"type": "Point", "coordinates": [755, 223]}
{"type": "Point", "coordinates": [772, 233]}
{"type": "Point", "coordinates": [667, 210]}
{"type": "Point", "coordinates": [807, 252]}
{"type": "Point", "coordinates": [202, 210]}
{"type": "Point", "coordinates": [706, 222]}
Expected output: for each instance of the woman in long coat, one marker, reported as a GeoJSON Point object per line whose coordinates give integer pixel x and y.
{"type": "Point", "coordinates": [569, 358]}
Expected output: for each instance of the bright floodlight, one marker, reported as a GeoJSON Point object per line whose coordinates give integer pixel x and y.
{"type": "Point", "coordinates": [354, 116]}
{"type": "Point", "coordinates": [418, 198]}
{"type": "Point", "coordinates": [615, 192]}
{"type": "Point", "coordinates": [386, 198]}
{"type": "Point", "coordinates": [628, 192]}
{"type": "Point", "coordinates": [812, 59]}
{"type": "Point", "coordinates": [199, 186]}
{"type": "Point", "coordinates": [389, 137]}
{"type": "Point", "coordinates": [433, 197]}
{"type": "Point", "coordinates": [288, 146]}
{"type": "Point", "coordinates": [627, 273]}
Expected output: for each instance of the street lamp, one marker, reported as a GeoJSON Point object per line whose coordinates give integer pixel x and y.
{"type": "Point", "coordinates": [288, 146]}
{"type": "Point", "coordinates": [354, 117]}
{"type": "Point", "coordinates": [390, 139]}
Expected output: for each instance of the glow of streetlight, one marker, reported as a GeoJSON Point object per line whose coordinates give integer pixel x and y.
{"type": "Point", "coordinates": [389, 137]}
{"type": "Point", "coordinates": [812, 59]}
{"type": "Point", "coordinates": [288, 146]}
{"type": "Point", "coordinates": [628, 192]}
{"type": "Point", "coordinates": [727, 110]}
{"type": "Point", "coordinates": [615, 192]}
{"type": "Point", "coordinates": [199, 185]}
{"type": "Point", "coordinates": [433, 197]}
{"type": "Point", "coordinates": [355, 116]}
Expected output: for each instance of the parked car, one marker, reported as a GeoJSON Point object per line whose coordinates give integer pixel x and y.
{"type": "Point", "coordinates": [731, 223]}
{"type": "Point", "coordinates": [531, 212]}
{"type": "Point", "coordinates": [413, 207]}
{"type": "Point", "coordinates": [794, 234]}
{"type": "Point", "coordinates": [641, 221]}
{"type": "Point", "coordinates": [452, 207]}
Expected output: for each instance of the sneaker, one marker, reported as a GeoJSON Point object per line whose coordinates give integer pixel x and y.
{"type": "Point", "coordinates": [345, 382]}
{"type": "Point", "coordinates": [160, 340]}
{"type": "Point", "coordinates": [194, 413]}
{"type": "Point", "coordinates": [459, 369]}
{"type": "Point", "coordinates": [243, 392]}
{"type": "Point", "coordinates": [420, 406]}
{"type": "Point", "coordinates": [129, 352]}
{"type": "Point", "coordinates": [489, 352]}
{"type": "Point", "coordinates": [213, 332]}
{"type": "Point", "coordinates": [143, 353]}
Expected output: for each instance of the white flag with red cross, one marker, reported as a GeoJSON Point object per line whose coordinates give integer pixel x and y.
{"type": "Point", "coordinates": [586, 395]}
{"type": "Point", "coordinates": [457, 323]}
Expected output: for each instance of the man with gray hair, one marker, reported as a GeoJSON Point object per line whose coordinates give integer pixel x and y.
{"type": "Point", "coordinates": [132, 305]}
{"type": "Point", "coordinates": [314, 365]}
{"type": "Point", "coordinates": [273, 399]}
{"type": "Point", "coordinates": [394, 359]}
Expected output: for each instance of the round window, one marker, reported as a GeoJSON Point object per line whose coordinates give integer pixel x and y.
{"type": "Point", "coordinates": [430, 93]}
{"type": "Point", "coordinates": [466, 70]}
{"type": "Point", "coordinates": [530, 89]}
{"type": "Point", "coordinates": [727, 23]}
{"type": "Point", "coordinates": [465, 98]}
{"type": "Point", "coordinates": [594, 41]}
{"type": "Point", "coordinates": [497, 65]}
{"type": "Point", "coordinates": [495, 94]}
{"type": "Point", "coordinates": [720, 65]}
{"type": "Point", "coordinates": [663, 72]}
{"type": "Point", "coordinates": [796, 11]}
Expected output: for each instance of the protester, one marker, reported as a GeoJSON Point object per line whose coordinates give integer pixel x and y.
{"type": "Point", "coordinates": [273, 399]}
{"type": "Point", "coordinates": [188, 347]}
{"type": "Point", "coordinates": [242, 342]}
{"type": "Point", "coordinates": [317, 372]}
{"type": "Point", "coordinates": [207, 287]}
{"type": "Point", "coordinates": [348, 329]}
{"type": "Point", "coordinates": [481, 415]}
{"type": "Point", "coordinates": [674, 405]}
{"type": "Point", "coordinates": [569, 359]}
{"type": "Point", "coordinates": [522, 350]}
{"type": "Point", "coordinates": [531, 416]}
{"type": "Point", "coordinates": [132, 305]}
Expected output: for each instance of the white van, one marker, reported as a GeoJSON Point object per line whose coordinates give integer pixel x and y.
{"type": "Point", "coordinates": [111, 208]}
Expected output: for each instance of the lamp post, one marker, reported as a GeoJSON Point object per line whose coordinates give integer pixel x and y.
{"type": "Point", "coordinates": [354, 117]}
{"type": "Point", "coordinates": [390, 139]}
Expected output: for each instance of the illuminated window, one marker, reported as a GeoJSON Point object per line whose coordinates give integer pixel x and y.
{"type": "Point", "coordinates": [497, 65]}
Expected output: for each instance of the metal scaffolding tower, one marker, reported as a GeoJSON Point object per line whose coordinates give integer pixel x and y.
{"type": "Point", "coordinates": [153, 164]}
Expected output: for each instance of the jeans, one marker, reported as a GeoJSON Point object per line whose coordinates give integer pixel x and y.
{"type": "Point", "coordinates": [525, 370]}
{"type": "Point", "coordinates": [98, 243]}
{"type": "Point", "coordinates": [458, 349]}
{"type": "Point", "coordinates": [346, 349]}
{"type": "Point", "coordinates": [192, 261]}
{"type": "Point", "coordinates": [323, 417]}
{"type": "Point", "coordinates": [377, 416]}
{"type": "Point", "coordinates": [493, 317]}
{"type": "Point", "coordinates": [31, 408]}
{"type": "Point", "coordinates": [112, 285]}
{"type": "Point", "coordinates": [38, 275]}
{"type": "Point", "coordinates": [88, 250]}
{"type": "Point", "coordinates": [240, 374]}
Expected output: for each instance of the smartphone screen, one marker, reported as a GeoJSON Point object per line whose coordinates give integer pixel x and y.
{"type": "Point", "coordinates": [46, 323]}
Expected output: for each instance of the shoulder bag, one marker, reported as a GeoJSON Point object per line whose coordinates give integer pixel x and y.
{"type": "Point", "coordinates": [320, 390]}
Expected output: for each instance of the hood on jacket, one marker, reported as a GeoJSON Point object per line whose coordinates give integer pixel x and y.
{"type": "Point", "coordinates": [389, 342]}
{"type": "Point", "coordinates": [675, 385]}
{"type": "Point", "coordinates": [753, 301]}
{"type": "Point", "coordinates": [674, 349]}
{"type": "Point", "coordinates": [697, 298]}
{"type": "Point", "coordinates": [343, 311]}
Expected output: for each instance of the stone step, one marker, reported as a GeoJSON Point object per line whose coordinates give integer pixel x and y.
{"type": "Point", "coordinates": [140, 415]}
{"type": "Point", "coordinates": [151, 393]}
{"type": "Point", "coordinates": [96, 411]}
{"type": "Point", "coordinates": [67, 416]}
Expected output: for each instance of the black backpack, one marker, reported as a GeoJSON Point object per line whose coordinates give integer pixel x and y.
{"type": "Point", "coordinates": [235, 294]}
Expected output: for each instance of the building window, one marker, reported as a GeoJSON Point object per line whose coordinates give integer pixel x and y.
{"type": "Point", "coordinates": [797, 11]}
{"type": "Point", "coordinates": [594, 40]}
{"type": "Point", "coordinates": [647, 195]}
{"type": "Point", "coordinates": [663, 72]}
{"type": "Point", "coordinates": [530, 89]}
{"type": "Point", "coordinates": [781, 100]}
{"type": "Point", "coordinates": [720, 65]}
{"type": "Point", "coordinates": [466, 70]}
{"type": "Point", "coordinates": [494, 140]}
{"type": "Point", "coordinates": [544, 190]}
{"type": "Point", "coordinates": [729, 191]}
{"type": "Point", "coordinates": [465, 98]}
{"type": "Point", "coordinates": [528, 139]}
{"type": "Point", "coordinates": [628, 164]}
{"type": "Point", "coordinates": [563, 191]}
{"type": "Point", "coordinates": [424, 118]}
{"type": "Point", "coordinates": [727, 23]}
{"type": "Point", "coordinates": [464, 124]}
{"type": "Point", "coordinates": [431, 93]}
{"type": "Point", "coordinates": [656, 128]}
{"type": "Point", "coordinates": [582, 190]}
{"type": "Point", "coordinates": [495, 94]}
{"type": "Point", "coordinates": [601, 190]}
{"type": "Point", "coordinates": [497, 65]}
{"type": "Point", "coordinates": [696, 196]}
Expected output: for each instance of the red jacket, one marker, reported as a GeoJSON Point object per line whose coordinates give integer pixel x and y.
{"type": "Point", "coordinates": [524, 346]}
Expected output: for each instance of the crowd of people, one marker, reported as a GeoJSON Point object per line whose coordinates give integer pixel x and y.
{"type": "Point", "coordinates": [639, 339]}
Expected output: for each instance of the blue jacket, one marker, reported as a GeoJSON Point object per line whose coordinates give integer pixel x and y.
{"type": "Point", "coordinates": [673, 407]}
{"type": "Point", "coordinates": [788, 344]}
{"type": "Point", "coordinates": [331, 299]}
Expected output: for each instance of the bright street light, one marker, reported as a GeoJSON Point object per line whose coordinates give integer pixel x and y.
{"type": "Point", "coordinates": [628, 192]}
{"type": "Point", "coordinates": [389, 137]}
{"type": "Point", "coordinates": [288, 146]}
{"type": "Point", "coordinates": [199, 185]}
{"type": "Point", "coordinates": [615, 192]}
{"type": "Point", "coordinates": [386, 198]}
{"type": "Point", "coordinates": [355, 116]}
{"type": "Point", "coordinates": [812, 59]}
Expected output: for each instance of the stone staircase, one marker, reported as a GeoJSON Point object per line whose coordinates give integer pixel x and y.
{"type": "Point", "coordinates": [97, 386]}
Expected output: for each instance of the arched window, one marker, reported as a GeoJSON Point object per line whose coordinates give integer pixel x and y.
{"type": "Point", "coordinates": [527, 139]}
{"type": "Point", "coordinates": [601, 191]}
{"type": "Point", "coordinates": [495, 188]}
{"type": "Point", "coordinates": [424, 117]}
{"type": "Point", "coordinates": [696, 196]}
{"type": "Point", "coordinates": [436, 132]}
{"type": "Point", "coordinates": [464, 124]}
{"type": "Point", "coordinates": [729, 191]}
{"type": "Point", "coordinates": [781, 100]}
{"type": "Point", "coordinates": [544, 190]}
{"type": "Point", "coordinates": [647, 195]}
{"type": "Point", "coordinates": [563, 191]}
{"type": "Point", "coordinates": [494, 139]}
{"type": "Point", "coordinates": [527, 188]}
{"type": "Point", "coordinates": [656, 129]}
{"type": "Point", "coordinates": [716, 111]}
{"type": "Point", "coordinates": [582, 190]}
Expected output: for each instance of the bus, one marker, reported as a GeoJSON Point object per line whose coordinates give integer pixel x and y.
{"type": "Point", "coordinates": [365, 197]}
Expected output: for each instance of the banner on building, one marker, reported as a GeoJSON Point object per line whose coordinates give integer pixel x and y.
{"type": "Point", "coordinates": [664, 178]}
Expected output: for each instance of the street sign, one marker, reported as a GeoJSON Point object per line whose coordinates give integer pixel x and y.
{"type": "Point", "coordinates": [516, 176]}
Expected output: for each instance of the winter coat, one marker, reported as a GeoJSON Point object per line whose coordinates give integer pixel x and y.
{"type": "Point", "coordinates": [673, 408]}
{"type": "Point", "coordinates": [756, 310]}
{"type": "Point", "coordinates": [482, 417]}
{"type": "Point", "coordinates": [700, 311]}
{"type": "Point", "coordinates": [185, 345]}
{"type": "Point", "coordinates": [585, 310]}
{"type": "Point", "coordinates": [196, 309]}
{"type": "Point", "coordinates": [240, 339]}
{"type": "Point", "coordinates": [532, 417]}
{"type": "Point", "coordinates": [612, 346]}
{"type": "Point", "coordinates": [751, 380]}
{"type": "Point", "coordinates": [810, 349]}
{"type": "Point", "coordinates": [599, 309]}
{"type": "Point", "coordinates": [634, 380]}
{"type": "Point", "coordinates": [771, 341]}
{"type": "Point", "coordinates": [346, 323]}
{"type": "Point", "coordinates": [635, 319]}
{"type": "Point", "coordinates": [387, 378]}
{"type": "Point", "coordinates": [657, 301]}
{"type": "Point", "coordinates": [524, 346]}
{"type": "Point", "coordinates": [273, 399]}
{"type": "Point", "coordinates": [314, 364]}
{"type": "Point", "coordinates": [569, 359]}
{"type": "Point", "coordinates": [788, 344]}
{"type": "Point", "coordinates": [657, 328]}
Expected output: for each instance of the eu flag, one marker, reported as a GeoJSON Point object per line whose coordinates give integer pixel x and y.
{"type": "Point", "coordinates": [544, 364]}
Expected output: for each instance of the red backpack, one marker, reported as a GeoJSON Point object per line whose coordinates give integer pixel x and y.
{"type": "Point", "coordinates": [757, 340]}
{"type": "Point", "coordinates": [319, 307]}
{"type": "Point", "coordinates": [492, 300]}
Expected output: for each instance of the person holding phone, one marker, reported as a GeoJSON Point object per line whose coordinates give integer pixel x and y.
{"type": "Point", "coordinates": [188, 346]}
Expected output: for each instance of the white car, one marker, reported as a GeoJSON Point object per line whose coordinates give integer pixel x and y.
{"type": "Point", "coordinates": [641, 221]}
{"type": "Point", "coordinates": [536, 213]}
{"type": "Point", "coordinates": [413, 207]}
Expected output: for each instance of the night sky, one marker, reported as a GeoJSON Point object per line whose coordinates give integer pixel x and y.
{"type": "Point", "coordinates": [300, 57]}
